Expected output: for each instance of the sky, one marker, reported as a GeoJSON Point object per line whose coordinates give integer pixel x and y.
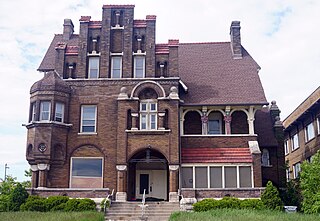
{"type": "Point", "coordinates": [281, 35]}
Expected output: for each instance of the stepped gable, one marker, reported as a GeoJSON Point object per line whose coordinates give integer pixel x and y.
{"type": "Point", "coordinates": [51, 82]}
{"type": "Point", "coordinates": [214, 77]}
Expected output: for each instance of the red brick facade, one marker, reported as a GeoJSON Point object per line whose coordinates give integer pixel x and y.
{"type": "Point", "coordinates": [136, 123]}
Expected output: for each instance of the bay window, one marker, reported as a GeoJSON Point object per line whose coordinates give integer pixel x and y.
{"type": "Point", "coordinates": [45, 110]}
{"type": "Point", "coordinates": [59, 112]}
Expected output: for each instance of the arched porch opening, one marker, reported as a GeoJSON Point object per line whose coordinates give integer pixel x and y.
{"type": "Point", "coordinates": [148, 170]}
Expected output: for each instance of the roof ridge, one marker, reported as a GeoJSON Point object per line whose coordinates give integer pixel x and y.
{"type": "Point", "coordinates": [188, 43]}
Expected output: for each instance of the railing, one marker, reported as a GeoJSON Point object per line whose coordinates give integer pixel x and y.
{"type": "Point", "coordinates": [109, 198]}
{"type": "Point", "coordinates": [143, 206]}
{"type": "Point", "coordinates": [144, 197]}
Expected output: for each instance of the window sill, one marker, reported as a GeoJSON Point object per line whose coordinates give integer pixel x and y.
{"type": "Point", "coordinates": [87, 133]}
{"type": "Point", "coordinates": [218, 135]}
{"type": "Point", "coordinates": [310, 140]}
{"type": "Point", "coordinates": [148, 131]}
{"type": "Point", "coordinates": [293, 150]}
{"type": "Point", "coordinates": [45, 123]}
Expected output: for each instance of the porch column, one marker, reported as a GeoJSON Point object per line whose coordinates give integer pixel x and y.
{"type": "Point", "coordinates": [251, 120]}
{"type": "Point", "coordinates": [35, 174]}
{"type": "Point", "coordinates": [161, 121]}
{"type": "Point", "coordinates": [227, 121]}
{"type": "Point", "coordinates": [121, 194]}
{"type": "Point", "coordinates": [204, 120]}
{"type": "Point", "coordinates": [134, 121]}
{"type": "Point", "coordinates": [43, 171]}
{"type": "Point", "coordinates": [173, 183]}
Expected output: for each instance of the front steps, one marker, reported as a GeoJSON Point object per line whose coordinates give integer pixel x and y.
{"type": "Point", "coordinates": [157, 211]}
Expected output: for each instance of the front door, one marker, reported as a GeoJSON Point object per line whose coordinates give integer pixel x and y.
{"type": "Point", "coordinates": [153, 181]}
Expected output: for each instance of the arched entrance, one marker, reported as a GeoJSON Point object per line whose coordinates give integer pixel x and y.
{"type": "Point", "coordinates": [148, 170]}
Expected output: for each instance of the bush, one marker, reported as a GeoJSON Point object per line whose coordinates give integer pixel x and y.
{"type": "Point", "coordinates": [86, 205]}
{"type": "Point", "coordinates": [256, 204]}
{"type": "Point", "coordinates": [105, 203]}
{"type": "Point", "coordinates": [291, 196]}
{"type": "Point", "coordinates": [34, 203]}
{"type": "Point", "coordinates": [4, 203]}
{"type": "Point", "coordinates": [53, 203]}
{"type": "Point", "coordinates": [205, 205]}
{"type": "Point", "coordinates": [228, 202]}
{"type": "Point", "coordinates": [17, 197]}
{"type": "Point", "coordinates": [270, 198]}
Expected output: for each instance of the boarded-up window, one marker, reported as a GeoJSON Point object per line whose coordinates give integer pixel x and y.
{"type": "Point", "coordinates": [215, 177]}
{"type": "Point", "coordinates": [201, 177]}
{"type": "Point", "coordinates": [245, 176]}
{"type": "Point", "coordinates": [187, 177]}
{"type": "Point", "coordinates": [230, 174]}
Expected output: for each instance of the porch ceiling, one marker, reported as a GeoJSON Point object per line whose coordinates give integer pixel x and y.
{"type": "Point", "coordinates": [216, 155]}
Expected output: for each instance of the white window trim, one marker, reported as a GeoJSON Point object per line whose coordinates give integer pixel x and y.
{"type": "Point", "coordinates": [89, 68]}
{"type": "Point", "coordinates": [62, 114]}
{"type": "Point", "coordinates": [70, 183]}
{"type": "Point", "coordinates": [95, 121]}
{"type": "Point", "coordinates": [286, 147]}
{"type": "Point", "coordinates": [318, 124]}
{"type": "Point", "coordinates": [144, 66]}
{"type": "Point", "coordinates": [112, 57]}
{"type": "Point", "coordinates": [41, 110]}
{"type": "Point", "coordinates": [307, 135]}
{"type": "Point", "coordinates": [33, 111]}
{"type": "Point", "coordinates": [148, 114]}
{"type": "Point", "coordinates": [293, 143]}
{"type": "Point", "coordinates": [222, 174]}
{"type": "Point", "coordinates": [295, 173]}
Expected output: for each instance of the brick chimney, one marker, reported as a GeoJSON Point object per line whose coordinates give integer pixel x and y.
{"type": "Point", "coordinates": [235, 40]}
{"type": "Point", "coordinates": [67, 29]}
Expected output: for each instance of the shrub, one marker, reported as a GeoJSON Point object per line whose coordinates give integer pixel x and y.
{"type": "Point", "coordinates": [34, 203]}
{"type": "Point", "coordinates": [291, 196]}
{"type": "Point", "coordinates": [72, 205]}
{"type": "Point", "coordinates": [105, 203]}
{"type": "Point", "coordinates": [251, 204]}
{"type": "Point", "coordinates": [270, 198]}
{"type": "Point", "coordinates": [4, 203]}
{"type": "Point", "coordinates": [228, 202]}
{"type": "Point", "coordinates": [86, 205]}
{"type": "Point", "coordinates": [17, 197]}
{"type": "Point", "coordinates": [53, 202]}
{"type": "Point", "coordinates": [205, 205]}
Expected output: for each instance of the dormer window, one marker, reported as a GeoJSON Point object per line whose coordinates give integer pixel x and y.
{"type": "Point", "coordinates": [139, 66]}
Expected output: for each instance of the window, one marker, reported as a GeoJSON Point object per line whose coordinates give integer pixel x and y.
{"type": "Point", "coordinates": [295, 142]}
{"type": "Point", "coordinates": [88, 118]}
{"type": "Point", "coordinates": [286, 147]}
{"type": "Point", "coordinates": [214, 176]}
{"type": "Point", "coordinates": [45, 110]}
{"type": "Point", "coordinates": [309, 132]}
{"type": "Point", "coordinates": [318, 122]}
{"type": "Point", "coordinates": [265, 161]}
{"type": "Point", "coordinates": [148, 115]}
{"type": "Point", "coordinates": [139, 66]}
{"type": "Point", "coordinates": [86, 172]}
{"type": "Point", "coordinates": [288, 174]}
{"type": "Point", "coordinates": [215, 123]}
{"type": "Point", "coordinates": [187, 177]}
{"type": "Point", "coordinates": [296, 170]}
{"type": "Point", "coordinates": [93, 67]}
{"type": "Point", "coordinates": [33, 112]}
{"type": "Point", "coordinates": [116, 67]}
{"type": "Point", "coordinates": [59, 113]}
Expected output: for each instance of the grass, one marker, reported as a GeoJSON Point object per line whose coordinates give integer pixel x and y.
{"type": "Point", "coordinates": [51, 216]}
{"type": "Point", "coordinates": [242, 215]}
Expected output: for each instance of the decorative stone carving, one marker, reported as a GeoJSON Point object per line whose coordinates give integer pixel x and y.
{"type": "Point", "coordinates": [121, 167]}
{"type": "Point", "coordinates": [174, 93]}
{"type": "Point", "coordinates": [43, 166]}
{"type": "Point", "coordinates": [173, 167]}
{"type": "Point", "coordinates": [34, 168]}
{"type": "Point", "coordinates": [123, 94]}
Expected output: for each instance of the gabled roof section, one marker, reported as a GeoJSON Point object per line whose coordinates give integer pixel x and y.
{"type": "Point", "coordinates": [48, 61]}
{"type": "Point", "coordinates": [215, 78]}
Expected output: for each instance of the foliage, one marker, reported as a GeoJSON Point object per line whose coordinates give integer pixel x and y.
{"type": "Point", "coordinates": [53, 216]}
{"type": "Point", "coordinates": [34, 203]}
{"type": "Point", "coordinates": [8, 185]}
{"type": "Point", "coordinates": [310, 185]}
{"type": "Point", "coordinates": [291, 196]}
{"type": "Point", "coordinates": [105, 203]}
{"type": "Point", "coordinates": [4, 203]}
{"type": "Point", "coordinates": [17, 197]}
{"type": "Point", "coordinates": [242, 215]}
{"type": "Point", "coordinates": [227, 202]}
{"type": "Point", "coordinates": [53, 203]}
{"type": "Point", "coordinates": [86, 205]}
{"type": "Point", "coordinates": [270, 198]}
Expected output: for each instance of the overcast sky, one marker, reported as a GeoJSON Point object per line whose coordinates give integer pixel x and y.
{"type": "Point", "coordinates": [282, 36]}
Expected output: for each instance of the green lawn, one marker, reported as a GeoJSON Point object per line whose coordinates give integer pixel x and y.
{"type": "Point", "coordinates": [51, 216]}
{"type": "Point", "coordinates": [241, 215]}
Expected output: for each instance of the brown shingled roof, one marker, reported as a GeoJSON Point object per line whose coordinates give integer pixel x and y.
{"type": "Point", "coordinates": [213, 77]}
{"type": "Point", "coordinates": [47, 63]}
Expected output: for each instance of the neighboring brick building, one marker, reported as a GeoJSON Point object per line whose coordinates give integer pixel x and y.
{"type": "Point", "coordinates": [302, 133]}
{"type": "Point", "coordinates": [115, 110]}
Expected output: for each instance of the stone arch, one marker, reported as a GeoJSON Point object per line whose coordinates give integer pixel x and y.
{"type": "Point", "coordinates": [87, 150]}
{"type": "Point", "coordinates": [142, 149]}
{"type": "Point", "coordinates": [239, 122]}
{"type": "Point", "coordinates": [148, 84]}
